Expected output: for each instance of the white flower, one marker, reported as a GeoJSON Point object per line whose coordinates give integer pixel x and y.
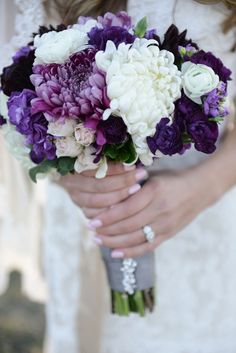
{"type": "Point", "coordinates": [56, 47]}
{"type": "Point", "coordinates": [67, 147]}
{"type": "Point", "coordinates": [198, 79]}
{"type": "Point", "coordinates": [85, 160]}
{"type": "Point", "coordinates": [3, 105]}
{"type": "Point", "coordinates": [16, 145]}
{"type": "Point", "coordinates": [62, 129]}
{"type": "Point", "coordinates": [142, 84]}
{"type": "Point", "coordinates": [83, 135]}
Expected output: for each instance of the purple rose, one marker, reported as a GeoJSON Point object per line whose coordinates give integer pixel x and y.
{"type": "Point", "coordinates": [204, 133]}
{"type": "Point", "coordinates": [98, 37]}
{"type": "Point", "coordinates": [210, 60]}
{"type": "Point", "coordinates": [167, 138]}
{"type": "Point", "coordinates": [121, 19]}
{"type": "Point", "coordinates": [16, 77]}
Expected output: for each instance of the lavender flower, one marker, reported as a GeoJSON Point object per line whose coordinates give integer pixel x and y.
{"type": "Point", "coordinates": [167, 138]}
{"type": "Point", "coordinates": [121, 19]}
{"type": "Point", "coordinates": [214, 102]}
{"type": "Point", "coordinates": [58, 86]}
{"type": "Point", "coordinates": [98, 37]}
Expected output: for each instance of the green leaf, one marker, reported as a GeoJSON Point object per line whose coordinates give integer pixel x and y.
{"type": "Point", "coordinates": [66, 165]}
{"type": "Point", "coordinates": [42, 168]}
{"type": "Point", "coordinates": [217, 119]}
{"type": "Point", "coordinates": [141, 28]}
{"type": "Point", "coordinates": [186, 138]}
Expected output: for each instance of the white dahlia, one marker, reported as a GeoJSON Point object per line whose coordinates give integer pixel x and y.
{"type": "Point", "coordinates": [142, 84]}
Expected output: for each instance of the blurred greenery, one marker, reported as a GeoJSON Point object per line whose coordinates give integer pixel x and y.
{"type": "Point", "coordinates": [22, 321]}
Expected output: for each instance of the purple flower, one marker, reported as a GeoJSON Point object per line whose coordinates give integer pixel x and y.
{"type": "Point", "coordinates": [150, 34]}
{"type": "Point", "coordinates": [121, 19]}
{"type": "Point", "coordinates": [23, 52]}
{"type": "Point", "coordinates": [16, 77]}
{"type": "Point", "coordinates": [204, 133]}
{"type": "Point", "coordinates": [32, 126]}
{"type": "Point", "coordinates": [167, 138]}
{"type": "Point", "coordinates": [2, 120]}
{"type": "Point", "coordinates": [113, 129]}
{"type": "Point", "coordinates": [214, 102]}
{"type": "Point", "coordinates": [58, 86]}
{"type": "Point", "coordinates": [98, 37]}
{"type": "Point", "coordinates": [210, 60]}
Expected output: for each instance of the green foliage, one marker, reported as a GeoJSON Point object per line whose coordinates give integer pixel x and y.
{"type": "Point", "coordinates": [141, 28]}
{"type": "Point", "coordinates": [64, 165]}
{"type": "Point", "coordinates": [217, 119]}
{"type": "Point", "coordinates": [123, 152]}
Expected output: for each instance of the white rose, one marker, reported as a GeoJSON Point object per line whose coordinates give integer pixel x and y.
{"type": "Point", "coordinates": [198, 80]}
{"type": "Point", "coordinates": [3, 105]}
{"type": "Point", "coordinates": [67, 147]}
{"type": "Point", "coordinates": [85, 160]}
{"type": "Point", "coordinates": [64, 129]}
{"type": "Point", "coordinates": [83, 135]}
{"type": "Point", "coordinates": [56, 47]}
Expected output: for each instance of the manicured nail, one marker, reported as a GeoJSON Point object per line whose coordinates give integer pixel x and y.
{"type": "Point", "coordinates": [97, 240]}
{"type": "Point", "coordinates": [95, 223]}
{"type": "Point", "coordinates": [129, 168]}
{"type": "Point", "coordinates": [134, 189]}
{"type": "Point", "coordinates": [141, 174]}
{"type": "Point", "coordinates": [117, 254]}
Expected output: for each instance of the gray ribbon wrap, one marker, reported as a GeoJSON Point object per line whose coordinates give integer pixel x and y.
{"type": "Point", "coordinates": [144, 273]}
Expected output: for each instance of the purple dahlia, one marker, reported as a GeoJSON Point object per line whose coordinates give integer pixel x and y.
{"type": "Point", "coordinates": [58, 86]}
{"type": "Point", "coordinates": [99, 37]}
{"type": "Point", "coordinates": [208, 59]}
{"type": "Point", "coordinates": [167, 139]}
{"type": "Point", "coordinates": [32, 126]}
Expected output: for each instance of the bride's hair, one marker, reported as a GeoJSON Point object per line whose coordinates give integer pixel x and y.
{"type": "Point", "coordinates": [70, 10]}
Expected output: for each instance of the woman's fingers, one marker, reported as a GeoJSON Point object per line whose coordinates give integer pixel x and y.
{"type": "Point", "coordinates": [114, 168]}
{"type": "Point", "coordinates": [93, 212]}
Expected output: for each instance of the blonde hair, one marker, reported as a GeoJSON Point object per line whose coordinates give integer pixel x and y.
{"type": "Point", "coordinates": [70, 10]}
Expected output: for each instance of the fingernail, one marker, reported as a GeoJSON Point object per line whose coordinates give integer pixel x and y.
{"type": "Point", "coordinates": [117, 254]}
{"type": "Point", "coordinates": [97, 240]}
{"type": "Point", "coordinates": [95, 223]}
{"type": "Point", "coordinates": [134, 189]}
{"type": "Point", "coordinates": [141, 174]}
{"type": "Point", "coordinates": [129, 168]}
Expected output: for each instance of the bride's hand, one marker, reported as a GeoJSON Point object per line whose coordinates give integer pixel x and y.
{"type": "Point", "coordinates": [167, 202]}
{"type": "Point", "coordinates": [96, 195]}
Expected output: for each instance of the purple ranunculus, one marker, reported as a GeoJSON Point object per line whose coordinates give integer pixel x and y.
{"type": "Point", "coordinates": [16, 77]}
{"type": "Point", "coordinates": [32, 126]}
{"type": "Point", "coordinates": [58, 86]}
{"type": "Point", "coordinates": [214, 102]}
{"type": "Point", "coordinates": [208, 59]}
{"type": "Point", "coordinates": [98, 37]}
{"type": "Point", "coordinates": [120, 19]}
{"type": "Point", "coordinates": [167, 139]}
{"type": "Point", "coordinates": [2, 120]}
{"type": "Point", "coordinates": [113, 129]}
{"type": "Point", "coordinates": [203, 132]}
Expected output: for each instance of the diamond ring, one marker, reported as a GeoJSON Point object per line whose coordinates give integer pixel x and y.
{"type": "Point", "coordinates": [149, 233]}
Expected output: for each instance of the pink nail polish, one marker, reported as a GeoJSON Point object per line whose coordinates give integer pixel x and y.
{"type": "Point", "coordinates": [141, 174]}
{"type": "Point", "coordinates": [117, 254]}
{"type": "Point", "coordinates": [97, 240]}
{"type": "Point", "coordinates": [95, 223]}
{"type": "Point", "coordinates": [134, 189]}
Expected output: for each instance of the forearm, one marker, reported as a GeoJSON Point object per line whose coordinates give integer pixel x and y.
{"type": "Point", "coordinates": [219, 171]}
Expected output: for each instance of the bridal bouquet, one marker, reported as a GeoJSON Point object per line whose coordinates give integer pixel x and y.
{"type": "Point", "coordinates": [107, 90]}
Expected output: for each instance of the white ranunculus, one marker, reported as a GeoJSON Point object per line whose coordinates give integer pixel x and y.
{"type": "Point", "coordinates": [56, 47]}
{"type": "Point", "coordinates": [3, 105]}
{"type": "Point", "coordinates": [64, 129]}
{"type": "Point", "coordinates": [16, 145]}
{"type": "Point", "coordinates": [67, 147]}
{"type": "Point", "coordinates": [142, 84]}
{"type": "Point", "coordinates": [198, 80]}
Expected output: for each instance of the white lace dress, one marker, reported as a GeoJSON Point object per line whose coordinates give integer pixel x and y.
{"type": "Point", "coordinates": [196, 284]}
